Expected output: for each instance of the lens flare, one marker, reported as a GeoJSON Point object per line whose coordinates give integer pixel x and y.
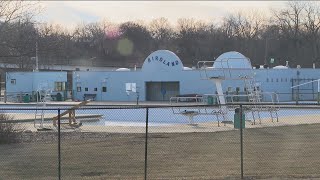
{"type": "Point", "coordinates": [125, 47]}
{"type": "Point", "coordinates": [112, 33]}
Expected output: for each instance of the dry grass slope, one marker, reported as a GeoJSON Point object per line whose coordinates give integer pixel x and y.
{"type": "Point", "coordinates": [274, 152]}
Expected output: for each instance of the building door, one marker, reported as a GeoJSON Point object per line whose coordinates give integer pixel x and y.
{"type": "Point", "coordinates": [161, 91]}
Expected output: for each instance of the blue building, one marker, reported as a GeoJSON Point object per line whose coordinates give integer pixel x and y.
{"type": "Point", "coordinates": [163, 76]}
{"type": "Point", "coordinates": [20, 84]}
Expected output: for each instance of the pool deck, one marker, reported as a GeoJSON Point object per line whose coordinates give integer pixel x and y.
{"type": "Point", "coordinates": [206, 127]}
{"type": "Point", "coordinates": [23, 117]}
{"type": "Point", "coordinates": [199, 127]}
{"type": "Point", "coordinates": [174, 128]}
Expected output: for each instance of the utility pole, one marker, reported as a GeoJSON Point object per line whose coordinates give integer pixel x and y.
{"type": "Point", "coordinates": [266, 51]}
{"type": "Point", "coordinates": [37, 62]}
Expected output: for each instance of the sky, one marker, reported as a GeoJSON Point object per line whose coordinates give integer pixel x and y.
{"type": "Point", "coordinates": [71, 13]}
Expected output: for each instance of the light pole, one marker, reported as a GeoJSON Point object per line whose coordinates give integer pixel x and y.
{"type": "Point", "coordinates": [37, 60]}
{"type": "Point", "coordinates": [266, 51]}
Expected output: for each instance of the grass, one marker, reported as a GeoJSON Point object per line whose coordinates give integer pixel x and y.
{"type": "Point", "coordinates": [277, 152]}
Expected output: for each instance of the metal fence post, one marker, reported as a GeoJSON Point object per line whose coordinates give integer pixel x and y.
{"type": "Point", "coordinates": [59, 146]}
{"type": "Point", "coordinates": [241, 142]}
{"type": "Point", "coordinates": [146, 145]}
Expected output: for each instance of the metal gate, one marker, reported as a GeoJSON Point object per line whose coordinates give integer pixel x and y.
{"type": "Point", "coordinates": [306, 92]}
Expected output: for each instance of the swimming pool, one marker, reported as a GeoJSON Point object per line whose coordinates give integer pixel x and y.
{"type": "Point", "coordinates": [156, 116]}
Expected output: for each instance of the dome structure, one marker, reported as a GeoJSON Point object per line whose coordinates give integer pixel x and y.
{"type": "Point", "coordinates": [233, 60]}
{"type": "Point", "coordinates": [187, 68]}
{"type": "Point", "coordinates": [162, 60]}
{"type": "Point", "coordinates": [280, 67]}
{"type": "Point", "coordinates": [123, 69]}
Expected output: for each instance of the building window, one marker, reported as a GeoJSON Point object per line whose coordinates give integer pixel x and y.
{"type": "Point", "coordinates": [267, 79]}
{"type": "Point", "coordinates": [271, 79]}
{"type": "Point", "coordinates": [59, 86]}
{"type": "Point", "coordinates": [95, 89]}
{"type": "Point", "coordinates": [229, 89]}
{"type": "Point", "coordinates": [78, 89]}
{"type": "Point", "coordinates": [277, 80]}
{"type": "Point", "coordinates": [104, 89]}
{"type": "Point", "coordinates": [13, 81]}
{"type": "Point", "coordinates": [86, 89]}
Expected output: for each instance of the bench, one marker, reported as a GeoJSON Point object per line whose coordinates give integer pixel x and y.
{"type": "Point", "coordinates": [89, 96]}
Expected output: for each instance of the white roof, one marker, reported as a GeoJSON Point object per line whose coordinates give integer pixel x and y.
{"type": "Point", "coordinates": [232, 59]}
{"type": "Point", "coordinates": [280, 67]}
{"type": "Point", "coordinates": [162, 60]}
{"type": "Point", "coordinates": [122, 69]}
{"type": "Point", "coordinates": [187, 68]}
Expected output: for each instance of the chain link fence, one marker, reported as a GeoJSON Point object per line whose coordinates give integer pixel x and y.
{"type": "Point", "coordinates": [161, 142]}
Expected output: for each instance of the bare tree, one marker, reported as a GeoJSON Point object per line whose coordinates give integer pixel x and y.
{"type": "Point", "coordinates": [289, 19]}
{"type": "Point", "coordinates": [20, 43]}
{"type": "Point", "coordinates": [244, 29]}
{"type": "Point", "coordinates": [17, 10]}
{"type": "Point", "coordinates": [290, 22]}
{"type": "Point", "coordinates": [17, 31]}
{"type": "Point", "coordinates": [244, 24]}
{"type": "Point", "coordinates": [141, 40]}
{"type": "Point", "coordinates": [162, 32]}
{"type": "Point", "coordinates": [311, 23]}
{"type": "Point", "coordinates": [191, 36]}
{"type": "Point", "coordinates": [54, 44]}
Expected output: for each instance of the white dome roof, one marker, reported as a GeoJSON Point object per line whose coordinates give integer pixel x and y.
{"type": "Point", "coordinates": [232, 59]}
{"type": "Point", "coordinates": [162, 60]}
{"type": "Point", "coordinates": [122, 69]}
{"type": "Point", "coordinates": [187, 68]}
{"type": "Point", "coordinates": [280, 67]}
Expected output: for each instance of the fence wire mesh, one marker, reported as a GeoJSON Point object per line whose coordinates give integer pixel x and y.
{"type": "Point", "coordinates": [26, 154]}
{"type": "Point", "coordinates": [285, 149]}
{"type": "Point", "coordinates": [160, 142]}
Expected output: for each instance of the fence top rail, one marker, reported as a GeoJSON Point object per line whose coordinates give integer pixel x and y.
{"type": "Point", "coordinates": [190, 105]}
